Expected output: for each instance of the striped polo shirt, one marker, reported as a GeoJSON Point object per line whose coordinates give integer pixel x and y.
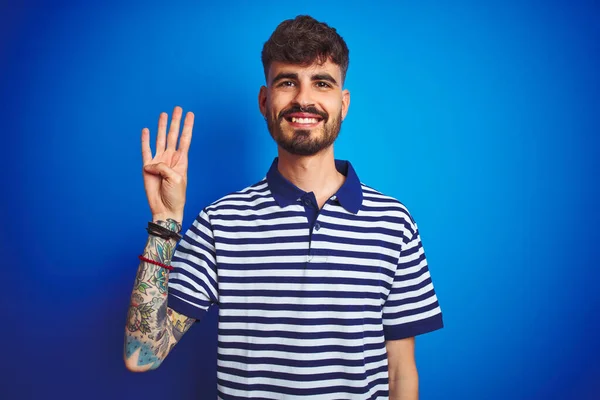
{"type": "Point", "coordinates": [306, 297]}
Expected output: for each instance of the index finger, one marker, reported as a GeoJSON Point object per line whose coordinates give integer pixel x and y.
{"type": "Point", "coordinates": [146, 151]}
{"type": "Point", "coordinates": [186, 133]}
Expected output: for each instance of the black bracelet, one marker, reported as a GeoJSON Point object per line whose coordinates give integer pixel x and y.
{"type": "Point", "coordinates": [161, 231]}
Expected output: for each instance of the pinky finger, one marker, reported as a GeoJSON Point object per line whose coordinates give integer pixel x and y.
{"type": "Point", "coordinates": [146, 151]}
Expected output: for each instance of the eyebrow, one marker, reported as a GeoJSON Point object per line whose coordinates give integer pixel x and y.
{"type": "Point", "coordinates": [324, 77]}
{"type": "Point", "coordinates": [317, 77]}
{"type": "Point", "coordinates": [284, 75]}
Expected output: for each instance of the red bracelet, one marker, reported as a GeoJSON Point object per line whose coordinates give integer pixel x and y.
{"type": "Point", "coordinates": [155, 263]}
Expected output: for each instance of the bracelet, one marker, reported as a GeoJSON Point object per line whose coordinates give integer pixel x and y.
{"type": "Point", "coordinates": [161, 231]}
{"type": "Point", "coordinates": [155, 263]}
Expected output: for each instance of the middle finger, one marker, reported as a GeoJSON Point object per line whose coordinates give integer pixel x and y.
{"type": "Point", "coordinates": [174, 129]}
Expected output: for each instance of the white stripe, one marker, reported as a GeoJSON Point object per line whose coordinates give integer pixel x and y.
{"type": "Point", "coordinates": [282, 299]}
{"type": "Point", "coordinates": [412, 270]}
{"type": "Point", "coordinates": [361, 235]}
{"type": "Point", "coordinates": [261, 212]}
{"type": "Point", "coordinates": [408, 295]}
{"type": "Point", "coordinates": [261, 235]}
{"type": "Point", "coordinates": [296, 384]}
{"type": "Point", "coordinates": [190, 303]}
{"type": "Point", "coordinates": [261, 222]}
{"type": "Point", "coordinates": [274, 396]}
{"type": "Point", "coordinates": [366, 224]}
{"type": "Point", "coordinates": [199, 293]}
{"type": "Point", "coordinates": [313, 356]}
{"type": "Point", "coordinates": [305, 287]}
{"type": "Point", "coordinates": [306, 315]}
{"type": "Point", "coordinates": [299, 273]}
{"type": "Point", "coordinates": [302, 342]}
{"type": "Point", "coordinates": [265, 247]}
{"type": "Point", "coordinates": [412, 318]}
{"type": "Point", "coordinates": [412, 282]}
{"type": "Point", "coordinates": [200, 271]}
{"type": "Point", "coordinates": [316, 244]}
{"type": "Point", "coordinates": [253, 203]}
{"type": "Point", "coordinates": [301, 328]}
{"type": "Point", "coordinates": [301, 259]}
{"type": "Point", "coordinates": [411, 306]}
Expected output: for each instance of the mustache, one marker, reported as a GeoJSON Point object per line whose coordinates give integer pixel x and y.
{"type": "Point", "coordinates": [299, 109]}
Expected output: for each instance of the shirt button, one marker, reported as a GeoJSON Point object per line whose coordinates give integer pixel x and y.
{"type": "Point", "coordinates": [307, 202]}
{"type": "Point", "coordinates": [317, 226]}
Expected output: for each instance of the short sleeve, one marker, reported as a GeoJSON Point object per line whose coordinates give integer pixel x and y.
{"type": "Point", "coordinates": [411, 307]}
{"type": "Point", "coordinates": [193, 286]}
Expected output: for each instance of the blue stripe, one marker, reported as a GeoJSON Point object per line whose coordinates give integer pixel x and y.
{"type": "Point", "coordinates": [299, 307]}
{"type": "Point", "coordinates": [303, 266]}
{"type": "Point", "coordinates": [299, 349]}
{"type": "Point", "coordinates": [362, 229]}
{"type": "Point", "coordinates": [410, 300]}
{"type": "Point", "coordinates": [298, 279]}
{"type": "Point", "coordinates": [300, 335]}
{"type": "Point", "coordinates": [359, 241]}
{"type": "Point", "coordinates": [300, 377]}
{"type": "Point", "coordinates": [407, 313]}
{"type": "Point", "coordinates": [290, 362]}
{"type": "Point", "coordinates": [301, 392]}
{"type": "Point", "coordinates": [260, 228]}
{"type": "Point", "coordinates": [300, 321]}
{"type": "Point", "coordinates": [271, 240]}
{"type": "Point", "coordinates": [300, 294]}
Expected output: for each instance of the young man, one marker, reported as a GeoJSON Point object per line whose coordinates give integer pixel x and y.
{"type": "Point", "coordinates": [321, 282]}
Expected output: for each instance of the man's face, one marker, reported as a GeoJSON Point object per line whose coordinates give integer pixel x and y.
{"type": "Point", "coordinates": [304, 106]}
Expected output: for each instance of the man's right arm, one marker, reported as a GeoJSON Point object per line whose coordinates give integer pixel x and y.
{"type": "Point", "coordinates": [152, 327]}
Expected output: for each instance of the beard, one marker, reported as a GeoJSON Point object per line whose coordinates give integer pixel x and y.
{"type": "Point", "coordinates": [304, 142]}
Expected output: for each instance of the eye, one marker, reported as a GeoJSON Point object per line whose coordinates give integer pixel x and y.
{"type": "Point", "coordinates": [323, 85]}
{"type": "Point", "coordinates": [286, 84]}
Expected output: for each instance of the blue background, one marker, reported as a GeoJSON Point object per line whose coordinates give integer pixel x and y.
{"type": "Point", "coordinates": [482, 117]}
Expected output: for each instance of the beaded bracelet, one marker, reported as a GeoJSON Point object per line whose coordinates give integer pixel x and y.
{"type": "Point", "coordinates": [155, 263]}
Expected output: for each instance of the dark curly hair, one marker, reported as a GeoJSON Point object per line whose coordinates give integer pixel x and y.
{"type": "Point", "coordinates": [304, 40]}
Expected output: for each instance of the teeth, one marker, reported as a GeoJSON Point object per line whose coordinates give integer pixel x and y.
{"type": "Point", "coordinates": [304, 120]}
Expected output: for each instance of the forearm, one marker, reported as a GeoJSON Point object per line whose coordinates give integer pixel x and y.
{"type": "Point", "coordinates": [149, 333]}
{"type": "Point", "coordinates": [405, 385]}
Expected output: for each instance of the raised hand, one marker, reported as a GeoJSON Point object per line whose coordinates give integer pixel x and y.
{"type": "Point", "coordinates": [165, 174]}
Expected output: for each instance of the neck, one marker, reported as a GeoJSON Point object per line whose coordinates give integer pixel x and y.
{"type": "Point", "coordinates": [316, 173]}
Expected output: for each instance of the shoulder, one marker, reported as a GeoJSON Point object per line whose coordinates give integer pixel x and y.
{"type": "Point", "coordinates": [378, 203]}
{"type": "Point", "coordinates": [243, 199]}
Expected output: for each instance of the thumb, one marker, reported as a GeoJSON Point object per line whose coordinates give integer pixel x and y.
{"type": "Point", "coordinates": [160, 169]}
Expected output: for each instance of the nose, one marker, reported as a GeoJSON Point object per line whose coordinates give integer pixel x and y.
{"type": "Point", "coordinates": [303, 95]}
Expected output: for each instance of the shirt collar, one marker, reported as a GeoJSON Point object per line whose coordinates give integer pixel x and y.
{"type": "Point", "coordinates": [285, 192]}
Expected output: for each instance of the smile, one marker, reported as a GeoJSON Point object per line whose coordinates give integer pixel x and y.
{"type": "Point", "coordinates": [305, 121]}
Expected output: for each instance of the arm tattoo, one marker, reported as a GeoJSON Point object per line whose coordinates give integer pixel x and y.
{"type": "Point", "coordinates": [152, 327]}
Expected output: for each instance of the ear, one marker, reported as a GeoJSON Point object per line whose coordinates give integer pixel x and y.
{"type": "Point", "coordinates": [345, 102]}
{"type": "Point", "coordinates": [262, 101]}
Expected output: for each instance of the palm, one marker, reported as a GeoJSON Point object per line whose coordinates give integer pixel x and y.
{"type": "Point", "coordinates": [165, 173]}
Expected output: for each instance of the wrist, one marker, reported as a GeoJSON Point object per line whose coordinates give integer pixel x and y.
{"type": "Point", "coordinates": [167, 230]}
{"type": "Point", "coordinates": [166, 218]}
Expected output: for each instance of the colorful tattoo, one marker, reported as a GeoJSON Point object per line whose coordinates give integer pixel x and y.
{"type": "Point", "coordinates": [159, 279]}
{"type": "Point", "coordinates": [139, 315]}
{"type": "Point", "coordinates": [151, 326]}
{"type": "Point", "coordinates": [146, 356]}
{"type": "Point", "coordinates": [181, 323]}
